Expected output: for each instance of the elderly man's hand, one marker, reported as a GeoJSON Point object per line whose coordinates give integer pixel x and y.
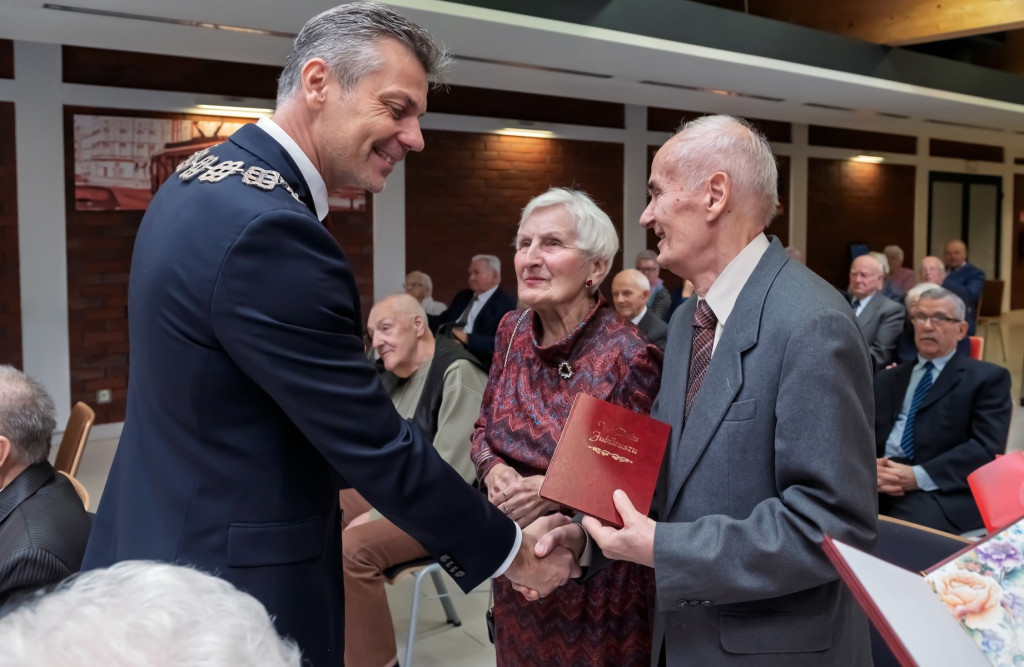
{"type": "Point", "coordinates": [633, 542]}
{"type": "Point", "coordinates": [895, 479]}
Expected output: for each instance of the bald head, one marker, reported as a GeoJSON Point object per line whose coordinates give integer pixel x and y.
{"type": "Point", "coordinates": [397, 325]}
{"type": "Point", "coordinates": [932, 270]}
{"type": "Point", "coordinates": [630, 289]}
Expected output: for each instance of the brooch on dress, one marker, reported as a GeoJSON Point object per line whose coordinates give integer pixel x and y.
{"type": "Point", "coordinates": [565, 370]}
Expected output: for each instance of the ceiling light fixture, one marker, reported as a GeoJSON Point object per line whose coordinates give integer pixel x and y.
{"type": "Point", "coordinates": [869, 159]}
{"type": "Point", "coordinates": [523, 132]}
{"type": "Point", "coordinates": [161, 19]}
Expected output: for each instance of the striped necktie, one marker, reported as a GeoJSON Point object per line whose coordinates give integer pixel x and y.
{"type": "Point", "coordinates": [704, 322]}
{"type": "Point", "coordinates": [907, 441]}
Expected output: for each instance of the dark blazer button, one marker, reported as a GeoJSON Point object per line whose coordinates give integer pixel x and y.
{"type": "Point", "coordinates": [705, 603]}
{"type": "Point", "coordinates": [460, 573]}
{"type": "Point", "coordinates": [682, 603]}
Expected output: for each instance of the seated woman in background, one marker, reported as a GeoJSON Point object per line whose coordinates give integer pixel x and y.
{"type": "Point", "coordinates": [568, 341]}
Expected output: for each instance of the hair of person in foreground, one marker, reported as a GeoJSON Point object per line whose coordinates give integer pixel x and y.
{"type": "Point", "coordinates": [143, 613]}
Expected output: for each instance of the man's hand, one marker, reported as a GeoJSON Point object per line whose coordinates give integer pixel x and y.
{"type": "Point", "coordinates": [521, 500]}
{"type": "Point", "coordinates": [895, 479]}
{"type": "Point", "coordinates": [461, 336]}
{"type": "Point", "coordinates": [633, 542]}
{"type": "Point", "coordinates": [536, 577]}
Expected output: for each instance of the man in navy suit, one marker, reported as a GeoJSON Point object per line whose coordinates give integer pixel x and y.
{"type": "Point", "coordinates": [250, 399]}
{"type": "Point", "coordinates": [937, 419]}
{"type": "Point", "coordinates": [43, 525]}
{"type": "Point", "coordinates": [969, 278]}
{"type": "Point", "coordinates": [476, 311]}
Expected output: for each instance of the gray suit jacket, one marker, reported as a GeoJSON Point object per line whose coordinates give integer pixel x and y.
{"type": "Point", "coordinates": [778, 451]}
{"type": "Point", "coordinates": [881, 322]}
{"type": "Point", "coordinates": [655, 328]}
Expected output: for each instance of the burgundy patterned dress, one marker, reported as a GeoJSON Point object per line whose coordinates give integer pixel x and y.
{"type": "Point", "coordinates": [607, 619]}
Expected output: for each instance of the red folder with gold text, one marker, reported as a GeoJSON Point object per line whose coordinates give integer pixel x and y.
{"type": "Point", "coordinates": [604, 447]}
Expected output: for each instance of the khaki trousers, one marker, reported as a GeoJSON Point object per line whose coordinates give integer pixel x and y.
{"type": "Point", "coordinates": [367, 550]}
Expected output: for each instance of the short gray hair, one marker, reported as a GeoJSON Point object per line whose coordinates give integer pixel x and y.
{"type": "Point", "coordinates": [648, 255]}
{"type": "Point", "coordinates": [883, 261]}
{"type": "Point", "coordinates": [27, 415]}
{"type": "Point", "coordinates": [894, 250]}
{"type": "Point", "coordinates": [493, 261]}
{"type": "Point", "coordinates": [145, 613]}
{"type": "Point", "coordinates": [346, 37]}
{"type": "Point", "coordinates": [638, 278]}
{"type": "Point", "coordinates": [733, 146]}
{"type": "Point", "coordinates": [423, 278]}
{"type": "Point", "coordinates": [595, 234]}
{"type": "Point", "coordinates": [943, 294]}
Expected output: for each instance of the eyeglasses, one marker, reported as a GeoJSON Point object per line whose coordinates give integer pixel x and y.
{"type": "Point", "coordinates": [404, 285]}
{"type": "Point", "coordinates": [937, 319]}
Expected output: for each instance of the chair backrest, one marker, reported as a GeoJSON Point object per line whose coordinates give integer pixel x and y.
{"type": "Point", "coordinates": [977, 347]}
{"type": "Point", "coordinates": [79, 488]}
{"type": "Point", "coordinates": [991, 299]}
{"type": "Point", "coordinates": [76, 433]}
{"type": "Point", "coordinates": [998, 490]}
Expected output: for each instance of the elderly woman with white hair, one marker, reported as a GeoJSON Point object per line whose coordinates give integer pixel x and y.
{"type": "Point", "coordinates": [568, 340]}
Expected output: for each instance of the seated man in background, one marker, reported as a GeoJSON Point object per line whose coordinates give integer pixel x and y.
{"type": "Point", "coordinates": [906, 346]}
{"type": "Point", "coordinates": [439, 386]}
{"type": "Point", "coordinates": [419, 286]}
{"type": "Point", "coordinates": [899, 275]}
{"type": "Point", "coordinates": [659, 300]}
{"type": "Point", "coordinates": [880, 319]}
{"type": "Point", "coordinates": [476, 311]}
{"type": "Point", "coordinates": [888, 287]}
{"type": "Point", "coordinates": [937, 419]}
{"type": "Point", "coordinates": [967, 277]}
{"type": "Point", "coordinates": [43, 525]}
{"type": "Point", "coordinates": [630, 290]}
{"type": "Point", "coordinates": [140, 613]}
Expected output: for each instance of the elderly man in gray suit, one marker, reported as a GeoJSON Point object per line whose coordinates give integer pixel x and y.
{"type": "Point", "coordinates": [770, 402]}
{"type": "Point", "coordinates": [880, 318]}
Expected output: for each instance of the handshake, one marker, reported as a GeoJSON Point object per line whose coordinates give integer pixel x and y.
{"type": "Point", "coordinates": [536, 571]}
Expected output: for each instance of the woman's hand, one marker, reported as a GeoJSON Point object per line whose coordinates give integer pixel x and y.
{"type": "Point", "coordinates": [497, 480]}
{"type": "Point", "coordinates": [521, 501]}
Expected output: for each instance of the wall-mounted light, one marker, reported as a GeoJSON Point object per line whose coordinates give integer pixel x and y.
{"type": "Point", "coordinates": [228, 110]}
{"type": "Point", "coordinates": [525, 132]}
{"type": "Point", "coordinates": [870, 159]}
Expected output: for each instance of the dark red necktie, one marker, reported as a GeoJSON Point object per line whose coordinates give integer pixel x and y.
{"type": "Point", "coordinates": [704, 322]}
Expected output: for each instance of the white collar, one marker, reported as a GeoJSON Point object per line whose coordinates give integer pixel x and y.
{"type": "Point", "coordinates": [484, 296]}
{"type": "Point", "coordinates": [722, 295]}
{"type": "Point", "coordinates": [315, 182]}
{"type": "Point", "coordinates": [636, 320]}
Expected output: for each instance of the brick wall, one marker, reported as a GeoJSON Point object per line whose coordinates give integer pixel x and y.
{"type": "Point", "coordinates": [354, 232]}
{"type": "Point", "coordinates": [853, 202]}
{"type": "Point", "coordinates": [465, 192]}
{"type": "Point", "coordinates": [10, 283]}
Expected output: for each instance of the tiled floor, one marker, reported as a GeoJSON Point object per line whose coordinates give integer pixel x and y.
{"type": "Point", "coordinates": [438, 643]}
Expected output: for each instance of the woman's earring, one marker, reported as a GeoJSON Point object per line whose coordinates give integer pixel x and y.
{"type": "Point", "coordinates": [590, 283]}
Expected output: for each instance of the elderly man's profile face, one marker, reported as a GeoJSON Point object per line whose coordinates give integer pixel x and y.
{"type": "Point", "coordinates": [865, 276]}
{"type": "Point", "coordinates": [365, 132]}
{"type": "Point", "coordinates": [628, 297]}
{"type": "Point", "coordinates": [393, 333]}
{"type": "Point", "coordinates": [481, 276]}
{"type": "Point", "coordinates": [674, 215]}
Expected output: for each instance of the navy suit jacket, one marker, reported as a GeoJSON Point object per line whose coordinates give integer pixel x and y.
{"type": "Point", "coordinates": [655, 328]}
{"type": "Point", "coordinates": [251, 401]}
{"type": "Point", "coordinates": [960, 426]}
{"type": "Point", "coordinates": [43, 531]}
{"type": "Point", "coordinates": [968, 282]}
{"type": "Point", "coordinates": [485, 326]}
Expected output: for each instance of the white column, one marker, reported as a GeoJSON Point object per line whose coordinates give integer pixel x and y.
{"type": "Point", "coordinates": [798, 189]}
{"type": "Point", "coordinates": [634, 237]}
{"type": "Point", "coordinates": [389, 236]}
{"type": "Point", "coordinates": [42, 247]}
{"type": "Point", "coordinates": [921, 202]}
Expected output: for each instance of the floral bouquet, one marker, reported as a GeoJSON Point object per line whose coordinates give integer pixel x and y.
{"type": "Point", "coordinates": [984, 590]}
